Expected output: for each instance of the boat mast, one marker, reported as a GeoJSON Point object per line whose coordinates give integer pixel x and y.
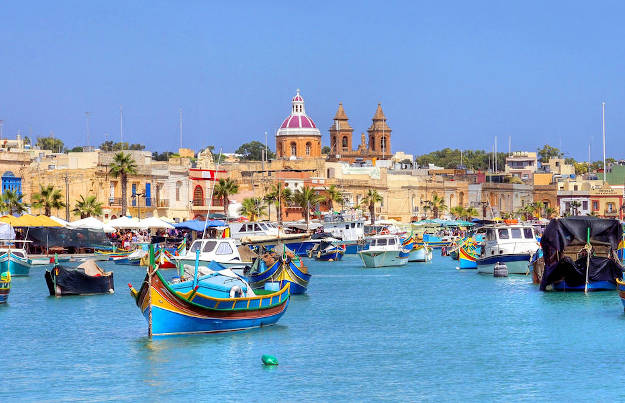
{"type": "Point", "coordinates": [603, 132]}
{"type": "Point", "coordinates": [210, 202]}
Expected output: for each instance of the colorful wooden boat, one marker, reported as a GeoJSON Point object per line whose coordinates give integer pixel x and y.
{"type": "Point", "coordinates": [468, 253]}
{"type": "Point", "coordinates": [279, 268]}
{"type": "Point", "coordinates": [86, 279]}
{"type": "Point", "coordinates": [13, 258]}
{"type": "Point", "coordinates": [189, 307]}
{"type": "Point", "coordinates": [327, 250]}
{"type": "Point", "coordinates": [164, 259]}
{"type": "Point", "coordinates": [5, 287]}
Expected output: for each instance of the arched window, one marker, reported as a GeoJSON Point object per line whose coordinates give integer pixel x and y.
{"type": "Point", "coordinates": [333, 143]}
{"type": "Point", "coordinates": [198, 196]}
{"type": "Point", "coordinates": [372, 143]}
{"type": "Point", "coordinates": [344, 141]}
{"type": "Point", "coordinates": [178, 187]}
{"type": "Point", "coordinates": [308, 147]}
{"type": "Point", "coordinates": [293, 149]}
{"type": "Point", "coordinates": [461, 199]}
{"type": "Point", "coordinates": [383, 144]}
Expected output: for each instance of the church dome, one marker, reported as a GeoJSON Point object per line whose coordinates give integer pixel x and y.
{"type": "Point", "coordinates": [298, 123]}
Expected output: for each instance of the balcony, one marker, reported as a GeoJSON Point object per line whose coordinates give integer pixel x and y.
{"type": "Point", "coordinates": [203, 204]}
{"type": "Point", "coordinates": [610, 213]}
{"type": "Point", "coordinates": [115, 201]}
{"type": "Point", "coordinates": [162, 203]}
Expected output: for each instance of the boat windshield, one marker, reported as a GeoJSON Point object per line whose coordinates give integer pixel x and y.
{"type": "Point", "coordinates": [382, 242]}
{"type": "Point", "coordinates": [391, 241]}
{"type": "Point", "coordinates": [502, 233]}
{"type": "Point", "coordinates": [195, 246]}
{"type": "Point", "coordinates": [263, 226]}
{"type": "Point", "coordinates": [209, 246]}
{"type": "Point", "coordinates": [516, 233]}
{"type": "Point", "coordinates": [528, 233]}
{"type": "Point", "coordinates": [490, 234]}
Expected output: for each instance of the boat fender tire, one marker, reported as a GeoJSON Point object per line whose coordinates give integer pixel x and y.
{"type": "Point", "coordinates": [236, 292]}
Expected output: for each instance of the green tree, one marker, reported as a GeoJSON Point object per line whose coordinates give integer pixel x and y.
{"type": "Point", "coordinates": [334, 195]}
{"type": "Point", "coordinates": [122, 166]}
{"type": "Point", "coordinates": [325, 150]}
{"type": "Point", "coordinates": [76, 149]}
{"type": "Point", "coordinates": [471, 212]}
{"type": "Point", "coordinates": [50, 143]}
{"type": "Point", "coordinates": [164, 156]}
{"type": "Point", "coordinates": [371, 198]}
{"type": "Point", "coordinates": [458, 212]}
{"type": "Point", "coordinates": [11, 203]}
{"type": "Point", "coordinates": [547, 152]}
{"type": "Point", "coordinates": [580, 168]}
{"type": "Point", "coordinates": [252, 207]}
{"type": "Point", "coordinates": [472, 159]}
{"type": "Point", "coordinates": [120, 146]}
{"type": "Point", "coordinates": [306, 198]}
{"type": "Point", "coordinates": [549, 212]}
{"type": "Point", "coordinates": [436, 205]}
{"type": "Point", "coordinates": [87, 207]}
{"type": "Point", "coordinates": [253, 151]}
{"type": "Point", "coordinates": [223, 190]}
{"type": "Point", "coordinates": [48, 198]}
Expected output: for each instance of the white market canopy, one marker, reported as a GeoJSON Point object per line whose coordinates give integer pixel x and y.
{"type": "Point", "coordinates": [126, 223]}
{"type": "Point", "coordinates": [92, 223]}
{"type": "Point", "coordinates": [155, 223]}
{"type": "Point", "coordinates": [59, 220]}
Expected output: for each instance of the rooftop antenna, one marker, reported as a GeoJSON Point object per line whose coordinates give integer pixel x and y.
{"type": "Point", "coordinates": [180, 127]}
{"type": "Point", "coordinates": [603, 132]}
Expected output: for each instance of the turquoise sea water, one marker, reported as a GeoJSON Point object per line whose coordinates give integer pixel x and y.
{"type": "Point", "coordinates": [419, 332]}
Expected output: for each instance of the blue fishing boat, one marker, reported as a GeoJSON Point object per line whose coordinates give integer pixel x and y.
{"type": "Point", "coordinates": [282, 268]}
{"type": "Point", "coordinates": [468, 253]}
{"type": "Point", "coordinates": [579, 254]}
{"type": "Point", "coordinates": [5, 287]}
{"type": "Point", "coordinates": [218, 302]}
{"type": "Point", "coordinates": [14, 259]}
{"type": "Point", "coordinates": [621, 290]}
{"type": "Point", "coordinates": [328, 250]}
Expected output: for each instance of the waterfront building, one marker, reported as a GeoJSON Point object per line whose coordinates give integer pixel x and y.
{"type": "Point", "coordinates": [298, 136]}
{"type": "Point", "coordinates": [522, 164]}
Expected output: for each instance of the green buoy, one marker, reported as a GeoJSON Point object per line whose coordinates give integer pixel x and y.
{"type": "Point", "coordinates": [269, 360]}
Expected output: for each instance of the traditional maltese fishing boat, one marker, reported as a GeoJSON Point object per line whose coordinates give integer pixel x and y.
{"type": "Point", "coordinates": [281, 268]}
{"type": "Point", "coordinates": [5, 287]}
{"type": "Point", "coordinates": [220, 301]}
{"type": "Point", "coordinates": [580, 254]}
{"type": "Point", "coordinates": [13, 258]}
{"type": "Point", "coordinates": [86, 279]}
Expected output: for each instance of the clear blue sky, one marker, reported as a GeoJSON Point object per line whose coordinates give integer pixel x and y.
{"type": "Point", "coordinates": [453, 73]}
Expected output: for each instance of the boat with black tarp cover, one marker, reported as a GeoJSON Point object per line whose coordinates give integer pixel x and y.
{"type": "Point", "coordinates": [580, 254]}
{"type": "Point", "coordinates": [88, 278]}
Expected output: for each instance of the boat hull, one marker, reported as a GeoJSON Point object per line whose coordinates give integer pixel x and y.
{"type": "Point", "coordinates": [282, 272]}
{"type": "Point", "coordinates": [5, 289]}
{"type": "Point", "coordinates": [383, 259]}
{"type": "Point", "coordinates": [421, 254]}
{"type": "Point", "coordinates": [17, 266]}
{"type": "Point", "coordinates": [62, 282]}
{"type": "Point", "coordinates": [466, 259]}
{"type": "Point", "coordinates": [516, 263]}
{"type": "Point", "coordinates": [327, 256]}
{"type": "Point", "coordinates": [172, 314]}
{"type": "Point", "coordinates": [592, 286]}
{"type": "Point", "coordinates": [621, 291]}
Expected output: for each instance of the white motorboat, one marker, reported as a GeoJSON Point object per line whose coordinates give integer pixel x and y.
{"type": "Point", "coordinates": [384, 251]}
{"type": "Point", "coordinates": [513, 245]}
{"type": "Point", "coordinates": [225, 251]}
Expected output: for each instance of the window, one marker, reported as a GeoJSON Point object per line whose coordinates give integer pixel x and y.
{"type": "Point", "coordinates": [308, 147]}
{"type": "Point", "coordinates": [502, 233]}
{"type": "Point", "coordinates": [490, 234]}
{"type": "Point", "coordinates": [585, 204]}
{"type": "Point", "coordinates": [257, 227]}
{"type": "Point", "coordinates": [391, 241]}
{"type": "Point", "coordinates": [243, 228]}
{"type": "Point", "coordinates": [178, 186]}
{"type": "Point", "coordinates": [224, 249]}
{"type": "Point", "coordinates": [346, 226]}
{"type": "Point", "coordinates": [382, 242]}
{"type": "Point", "coordinates": [372, 143]}
{"type": "Point", "coordinates": [263, 226]}
{"type": "Point", "coordinates": [515, 232]}
{"type": "Point", "coordinates": [610, 207]}
{"type": "Point", "coordinates": [195, 246]}
{"type": "Point", "coordinates": [528, 233]}
{"type": "Point", "coordinates": [344, 142]}
{"type": "Point", "coordinates": [574, 187]}
{"type": "Point", "coordinates": [293, 149]}
{"type": "Point", "coordinates": [209, 246]}
{"type": "Point", "coordinates": [595, 205]}
{"type": "Point", "coordinates": [198, 196]}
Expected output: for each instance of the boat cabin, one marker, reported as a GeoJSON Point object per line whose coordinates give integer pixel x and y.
{"type": "Point", "coordinates": [508, 239]}
{"type": "Point", "coordinates": [384, 242]}
{"type": "Point", "coordinates": [247, 229]}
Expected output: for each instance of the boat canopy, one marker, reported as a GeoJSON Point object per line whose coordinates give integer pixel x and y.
{"type": "Point", "coordinates": [198, 225]}
{"type": "Point", "coordinates": [564, 249]}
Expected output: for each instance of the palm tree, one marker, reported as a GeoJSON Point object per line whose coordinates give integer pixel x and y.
{"type": "Point", "coordinates": [437, 205]}
{"type": "Point", "coordinates": [270, 198]}
{"type": "Point", "coordinates": [87, 207]}
{"type": "Point", "coordinates": [47, 199]}
{"type": "Point", "coordinates": [11, 202]}
{"type": "Point", "coordinates": [334, 195]}
{"type": "Point", "coordinates": [252, 207]}
{"type": "Point", "coordinates": [371, 198]}
{"type": "Point", "coordinates": [458, 212]}
{"type": "Point", "coordinates": [538, 208]}
{"type": "Point", "coordinates": [123, 165]}
{"type": "Point", "coordinates": [471, 212]}
{"type": "Point", "coordinates": [223, 190]}
{"type": "Point", "coordinates": [549, 212]}
{"type": "Point", "coordinates": [305, 198]}
{"type": "Point", "coordinates": [574, 207]}
{"type": "Point", "coordinates": [279, 196]}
